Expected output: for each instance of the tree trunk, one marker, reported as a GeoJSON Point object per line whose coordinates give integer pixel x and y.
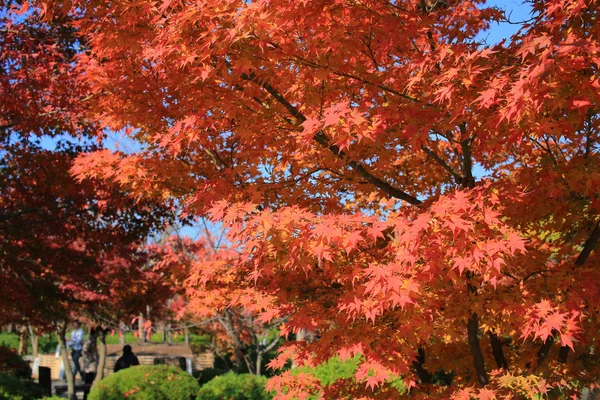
{"type": "Point", "coordinates": [259, 358]}
{"type": "Point", "coordinates": [478, 360]}
{"type": "Point", "coordinates": [22, 341]}
{"type": "Point", "coordinates": [497, 351]}
{"type": "Point", "coordinates": [169, 334]}
{"type": "Point", "coordinates": [239, 357]}
{"type": "Point", "coordinates": [121, 333]}
{"type": "Point", "coordinates": [249, 364]}
{"type": "Point", "coordinates": [141, 336]}
{"type": "Point", "coordinates": [544, 350]}
{"type": "Point", "coordinates": [35, 341]}
{"type": "Point", "coordinates": [473, 330]}
{"type": "Point", "coordinates": [563, 354]}
{"type": "Point", "coordinates": [168, 317]}
{"type": "Point", "coordinates": [187, 335]}
{"type": "Point", "coordinates": [148, 333]}
{"type": "Point", "coordinates": [62, 328]}
{"type": "Point", "coordinates": [101, 356]}
{"type": "Point", "coordinates": [419, 366]}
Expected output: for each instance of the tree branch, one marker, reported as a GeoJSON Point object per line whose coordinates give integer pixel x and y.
{"type": "Point", "coordinates": [321, 138]}
{"type": "Point", "coordinates": [457, 177]}
{"type": "Point", "coordinates": [357, 78]}
{"type": "Point", "coordinates": [467, 157]}
{"type": "Point", "coordinates": [271, 345]}
{"type": "Point", "coordinates": [589, 246]}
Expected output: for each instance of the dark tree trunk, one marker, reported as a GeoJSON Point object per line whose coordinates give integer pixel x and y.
{"type": "Point", "coordinates": [475, 346]}
{"type": "Point", "coordinates": [497, 351]}
{"type": "Point", "coordinates": [563, 354]}
{"type": "Point", "coordinates": [544, 350]}
{"type": "Point", "coordinates": [419, 366]}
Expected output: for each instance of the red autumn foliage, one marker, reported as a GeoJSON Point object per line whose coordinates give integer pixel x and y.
{"type": "Point", "coordinates": [338, 142]}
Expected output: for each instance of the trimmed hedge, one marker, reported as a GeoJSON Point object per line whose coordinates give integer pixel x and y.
{"type": "Point", "coordinates": [147, 382]}
{"type": "Point", "coordinates": [232, 386]}
{"type": "Point", "coordinates": [15, 388]}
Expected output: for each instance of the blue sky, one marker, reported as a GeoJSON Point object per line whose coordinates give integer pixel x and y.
{"type": "Point", "coordinates": [516, 11]}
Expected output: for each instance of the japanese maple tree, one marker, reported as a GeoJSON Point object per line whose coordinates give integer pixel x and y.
{"type": "Point", "coordinates": [339, 141]}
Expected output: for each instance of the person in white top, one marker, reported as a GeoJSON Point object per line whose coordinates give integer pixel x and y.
{"type": "Point", "coordinates": [76, 345]}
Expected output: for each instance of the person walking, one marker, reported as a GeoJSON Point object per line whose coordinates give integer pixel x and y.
{"type": "Point", "coordinates": [127, 360]}
{"type": "Point", "coordinates": [76, 345]}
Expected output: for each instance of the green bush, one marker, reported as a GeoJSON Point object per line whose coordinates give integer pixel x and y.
{"type": "Point", "coordinates": [10, 340]}
{"type": "Point", "coordinates": [46, 343]}
{"type": "Point", "coordinates": [15, 388]}
{"type": "Point", "coordinates": [334, 370]}
{"type": "Point", "coordinates": [147, 382]}
{"type": "Point", "coordinates": [12, 363]}
{"type": "Point", "coordinates": [232, 386]}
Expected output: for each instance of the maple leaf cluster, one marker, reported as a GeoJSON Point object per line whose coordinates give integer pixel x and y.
{"type": "Point", "coordinates": [343, 145]}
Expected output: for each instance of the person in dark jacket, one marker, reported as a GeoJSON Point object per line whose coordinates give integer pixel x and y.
{"type": "Point", "coordinates": [127, 359]}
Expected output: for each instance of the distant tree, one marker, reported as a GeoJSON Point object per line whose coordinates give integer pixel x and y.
{"type": "Point", "coordinates": [67, 247]}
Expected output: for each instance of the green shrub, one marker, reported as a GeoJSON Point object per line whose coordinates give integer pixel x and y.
{"type": "Point", "coordinates": [334, 371]}
{"type": "Point", "coordinates": [10, 340]}
{"type": "Point", "coordinates": [15, 388]}
{"type": "Point", "coordinates": [46, 343]}
{"type": "Point", "coordinates": [232, 386]}
{"type": "Point", "coordinates": [12, 363]}
{"type": "Point", "coordinates": [147, 382]}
